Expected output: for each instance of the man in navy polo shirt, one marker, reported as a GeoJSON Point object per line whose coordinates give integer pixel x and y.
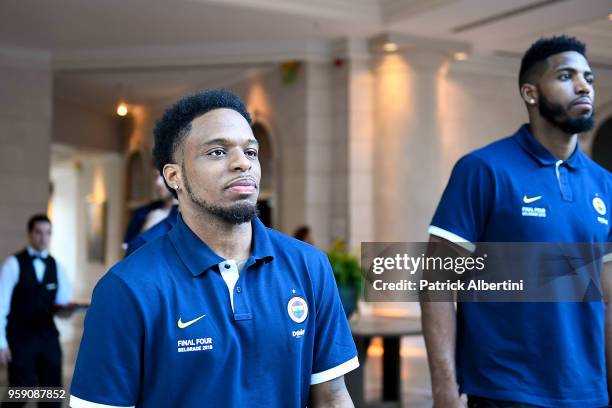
{"type": "Point", "coordinates": [534, 186]}
{"type": "Point", "coordinates": [221, 311]}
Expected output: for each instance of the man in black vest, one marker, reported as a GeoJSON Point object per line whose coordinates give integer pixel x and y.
{"type": "Point", "coordinates": [32, 284]}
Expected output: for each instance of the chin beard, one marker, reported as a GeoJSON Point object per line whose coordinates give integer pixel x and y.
{"type": "Point", "coordinates": [555, 114]}
{"type": "Point", "coordinates": [234, 215]}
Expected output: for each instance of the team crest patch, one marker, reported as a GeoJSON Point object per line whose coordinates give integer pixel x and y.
{"type": "Point", "coordinates": [599, 206]}
{"type": "Point", "coordinates": [297, 308]}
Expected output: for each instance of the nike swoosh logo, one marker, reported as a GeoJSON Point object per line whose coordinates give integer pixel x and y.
{"type": "Point", "coordinates": [530, 200]}
{"type": "Point", "coordinates": [182, 325]}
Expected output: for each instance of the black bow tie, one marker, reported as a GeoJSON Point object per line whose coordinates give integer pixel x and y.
{"type": "Point", "coordinates": [37, 257]}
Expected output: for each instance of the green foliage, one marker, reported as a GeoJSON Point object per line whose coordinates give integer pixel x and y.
{"type": "Point", "coordinates": [347, 270]}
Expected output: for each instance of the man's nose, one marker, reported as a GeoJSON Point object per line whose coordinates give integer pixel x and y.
{"type": "Point", "coordinates": [582, 87]}
{"type": "Point", "coordinates": [240, 162]}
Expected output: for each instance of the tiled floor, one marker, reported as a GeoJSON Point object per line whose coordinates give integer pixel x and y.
{"type": "Point", "coordinates": [415, 390]}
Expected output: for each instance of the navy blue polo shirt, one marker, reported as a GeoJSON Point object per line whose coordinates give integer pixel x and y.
{"type": "Point", "coordinates": [174, 324]}
{"type": "Point", "coordinates": [514, 190]}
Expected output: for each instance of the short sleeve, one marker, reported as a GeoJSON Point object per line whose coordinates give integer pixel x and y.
{"type": "Point", "coordinates": [335, 353]}
{"type": "Point", "coordinates": [109, 363]}
{"type": "Point", "coordinates": [465, 205]}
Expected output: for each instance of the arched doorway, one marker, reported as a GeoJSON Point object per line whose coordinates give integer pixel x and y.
{"type": "Point", "coordinates": [136, 180]}
{"type": "Point", "coordinates": [267, 189]}
{"type": "Point", "coordinates": [602, 145]}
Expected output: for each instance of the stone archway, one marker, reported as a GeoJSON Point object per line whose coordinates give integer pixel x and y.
{"type": "Point", "coordinates": [136, 180]}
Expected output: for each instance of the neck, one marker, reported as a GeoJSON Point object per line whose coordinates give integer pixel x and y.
{"type": "Point", "coordinates": [39, 250]}
{"type": "Point", "coordinates": [557, 142]}
{"type": "Point", "coordinates": [226, 240]}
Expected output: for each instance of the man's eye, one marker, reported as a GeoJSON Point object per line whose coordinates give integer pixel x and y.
{"type": "Point", "coordinates": [590, 80]}
{"type": "Point", "coordinates": [251, 153]}
{"type": "Point", "coordinates": [564, 77]}
{"type": "Point", "coordinates": [216, 153]}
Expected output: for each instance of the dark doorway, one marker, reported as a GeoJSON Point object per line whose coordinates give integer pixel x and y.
{"type": "Point", "coordinates": [265, 203]}
{"type": "Point", "coordinates": [602, 145]}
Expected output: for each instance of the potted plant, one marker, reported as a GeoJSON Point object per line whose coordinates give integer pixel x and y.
{"type": "Point", "coordinates": [347, 272]}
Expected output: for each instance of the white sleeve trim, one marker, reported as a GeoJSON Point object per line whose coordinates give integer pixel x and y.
{"type": "Point", "coordinates": [76, 402]}
{"type": "Point", "coordinates": [454, 238]}
{"type": "Point", "coordinates": [334, 372]}
{"type": "Point", "coordinates": [607, 258]}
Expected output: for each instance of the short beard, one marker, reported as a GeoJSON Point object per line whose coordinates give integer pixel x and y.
{"type": "Point", "coordinates": [555, 114]}
{"type": "Point", "coordinates": [233, 215]}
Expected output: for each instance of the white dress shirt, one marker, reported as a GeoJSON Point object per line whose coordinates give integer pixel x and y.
{"type": "Point", "coordinates": [9, 276]}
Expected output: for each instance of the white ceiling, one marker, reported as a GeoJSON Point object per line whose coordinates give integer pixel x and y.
{"type": "Point", "coordinates": [73, 25]}
{"type": "Point", "coordinates": [149, 87]}
{"type": "Point", "coordinates": [92, 44]}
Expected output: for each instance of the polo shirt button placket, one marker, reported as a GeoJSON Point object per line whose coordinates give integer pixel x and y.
{"type": "Point", "coordinates": [566, 190]}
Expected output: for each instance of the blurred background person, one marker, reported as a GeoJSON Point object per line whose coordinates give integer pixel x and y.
{"type": "Point", "coordinates": [32, 285]}
{"type": "Point", "coordinates": [147, 216]}
{"type": "Point", "coordinates": [303, 234]}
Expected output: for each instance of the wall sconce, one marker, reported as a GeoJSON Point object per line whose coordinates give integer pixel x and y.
{"type": "Point", "coordinates": [460, 56]}
{"type": "Point", "coordinates": [390, 47]}
{"type": "Point", "coordinates": [122, 109]}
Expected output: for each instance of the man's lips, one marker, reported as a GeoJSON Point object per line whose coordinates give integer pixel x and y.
{"type": "Point", "coordinates": [242, 186]}
{"type": "Point", "coordinates": [582, 103]}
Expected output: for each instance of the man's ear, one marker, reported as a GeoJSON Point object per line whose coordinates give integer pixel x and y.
{"type": "Point", "coordinates": [173, 175]}
{"type": "Point", "coordinates": [529, 93]}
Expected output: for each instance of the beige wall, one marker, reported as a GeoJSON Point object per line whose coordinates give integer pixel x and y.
{"type": "Point", "coordinates": [76, 124]}
{"type": "Point", "coordinates": [429, 113]}
{"type": "Point", "coordinates": [25, 140]}
{"type": "Point", "coordinates": [353, 143]}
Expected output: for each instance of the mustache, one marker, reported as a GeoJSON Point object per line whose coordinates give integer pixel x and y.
{"type": "Point", "coordinates": [247, 179]}
{"type": "Point", "coordinates": [582, 99]}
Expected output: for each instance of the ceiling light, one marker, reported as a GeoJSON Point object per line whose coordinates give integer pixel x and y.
{"type": "Point", "coordinates": [460, 56]}
{"type": "Point", "coordinates": [610, 16]}
{"type": "Point", "coordinates": [122, 109]}
{"type": "Point", "coordinates": [390, 47]}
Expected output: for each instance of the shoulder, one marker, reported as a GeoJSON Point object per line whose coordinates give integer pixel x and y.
{"type": "Point", "coordinates": [58, 265]}
{"type": "Point", "coordinates": [489, 155]}
{"type": "Point", "coordinates": [597, 170]}
{"type": "Point", "coordinates": [145, 266]}
{"type": "Point", "coordinates": [304, 259]}
{"type": "Point", "coordinates": [10, 264]}
{"type": "Point", "coordinates": [486, 160]}
{"type": "Point", "coordinates": [11, 260]}
{"type": "Point", "coordinates": [598, 176]}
